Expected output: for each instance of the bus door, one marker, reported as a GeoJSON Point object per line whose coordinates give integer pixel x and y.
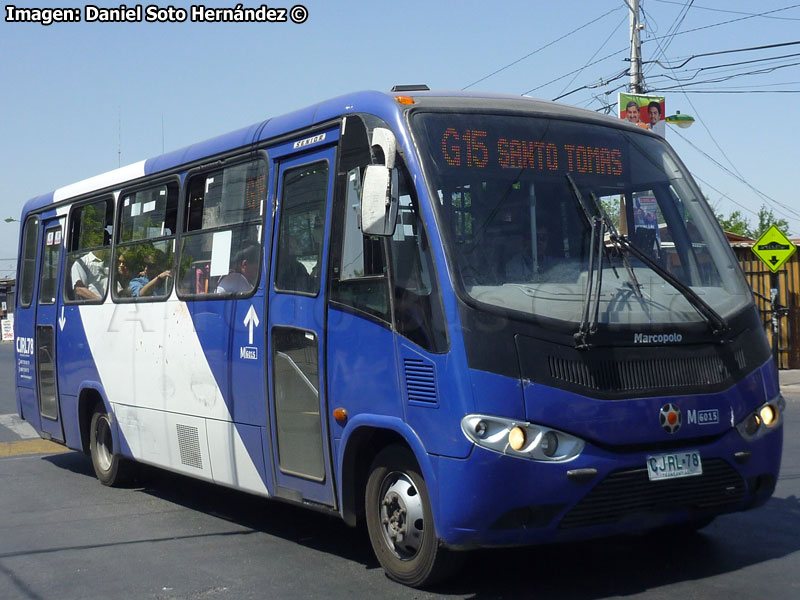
{"type": "Point", "coordinates": [296, 321]}
{"type": "Point", "coordinates": [48, 326]}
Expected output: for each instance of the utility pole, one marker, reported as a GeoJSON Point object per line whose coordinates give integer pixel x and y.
{"type": "Point", "coordinates": [637, 83]}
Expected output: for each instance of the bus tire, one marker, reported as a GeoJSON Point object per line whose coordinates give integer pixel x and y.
{"type": "Point", "coordinates": [111, 469]}
{"type": "Point", "coordinates": [400, 521]}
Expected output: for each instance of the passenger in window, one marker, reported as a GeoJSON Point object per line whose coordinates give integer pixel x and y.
{"type": "Point", "coordinates": [89, 275]}
{"type": "Point", "coordinates": [244, 273]}
{"type": "Point", "coordinates": [144, 286]}
{"type": "Point", "coordinates": [141, 284]}
{"type": "Point", "coordinates": [124, 275]}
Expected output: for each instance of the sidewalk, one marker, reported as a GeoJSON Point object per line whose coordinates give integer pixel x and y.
{"type": "Point", "coordinates": [790, 381]}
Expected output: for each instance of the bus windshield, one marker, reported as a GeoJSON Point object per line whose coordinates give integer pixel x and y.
{"type": "Point", "coordinates": [511, 193]}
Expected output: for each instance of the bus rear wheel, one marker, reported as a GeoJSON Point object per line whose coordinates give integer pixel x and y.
{"type": "Point", "coordinates": [400, 521]}
{"type": "Point", "coordinates": [110, 468]}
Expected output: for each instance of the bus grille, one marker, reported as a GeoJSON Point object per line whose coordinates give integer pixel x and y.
{"type": "Point", "coordinates": [629, 492]}
{"type": "Point", "coordinates": [632, 375]}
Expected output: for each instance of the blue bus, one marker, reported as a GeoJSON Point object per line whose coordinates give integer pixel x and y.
{"type": "Point", "coordinates": [464, 320]}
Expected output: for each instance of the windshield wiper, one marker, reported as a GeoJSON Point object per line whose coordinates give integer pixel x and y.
{"type": "Point", "coordinates": [718, 324]}
{"type": "Point", "coordinates": [588, 326]}
{"type": "Point", "coordinates": [622, 243]}
{"type": "Point", "coordinates": [613, 236]}
{"type": "Point", "coordinates": [591, 298]}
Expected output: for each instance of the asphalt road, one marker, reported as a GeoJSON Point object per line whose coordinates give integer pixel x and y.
{"type": "Point", "coordinates": [64, 535]}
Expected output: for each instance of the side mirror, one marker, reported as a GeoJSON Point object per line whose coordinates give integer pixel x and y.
{"type": "Point", "coordinates": [379, 201]}
{"type": "Point", "coordinates": [385, 140]}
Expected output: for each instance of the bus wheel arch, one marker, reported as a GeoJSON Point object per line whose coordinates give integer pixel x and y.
{"type": "Point", "coordinates": [89, 401]}
{"type": "Point", "coordinates": [363, 445]}
{"type": "Point", "coordinates": [99, 439]}
{"type": "Point", "coordinates": [400, 522]}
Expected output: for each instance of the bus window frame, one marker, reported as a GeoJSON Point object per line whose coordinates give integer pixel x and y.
{"type": "Point", "coordinates": [34, 279]}
{"type": "Point", "coordinates": [183, 199]}
{"type": "Point", "coordinates": [104, 197]}
{"type": "Point", "coordinates": [338, 226]}
{"type": "Point", "coordinates": [170, 179]}
{"type": "Point", "coordinates": [55, 225]}
{"type": "Point", "coordinates": [329, 189]}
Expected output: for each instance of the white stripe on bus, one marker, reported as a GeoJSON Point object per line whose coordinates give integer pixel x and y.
{"type": "Point", "coordinates": [103, 180]}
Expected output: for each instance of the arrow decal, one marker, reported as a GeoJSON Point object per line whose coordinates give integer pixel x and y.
{"type": "Point", "coordinates": [62, 320]}
{"type": "Point", "coordinates": [250, 320]}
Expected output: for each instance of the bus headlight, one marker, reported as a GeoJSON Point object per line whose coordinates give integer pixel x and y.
{"type": "Point", "coordinates": [764, 419]}
{"type": "Point", "coordinates": [522, 439]}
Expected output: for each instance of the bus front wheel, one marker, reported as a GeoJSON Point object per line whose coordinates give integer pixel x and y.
{"type": "Point", "coordinates": [400, 521]}
{"type": "Point", "coordinates": [110, 468]}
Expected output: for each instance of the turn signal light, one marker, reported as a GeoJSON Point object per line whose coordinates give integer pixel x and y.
{"type": "Point", "coordinates": [340, 414]}
{"type": "Point", "coordinates": [404, 99]}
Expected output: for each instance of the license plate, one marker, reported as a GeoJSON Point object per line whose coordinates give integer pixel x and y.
{"type": "Point", "coordinates": [674, 465]}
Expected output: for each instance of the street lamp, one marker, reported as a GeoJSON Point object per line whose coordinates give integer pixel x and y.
{"type": "Point", "coordinates": [682, 121]}
{"type": "Point", "coordinates": [11, 220]}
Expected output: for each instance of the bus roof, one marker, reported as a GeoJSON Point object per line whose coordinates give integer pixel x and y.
{"type": "Point", "coordinates": [381, 104]}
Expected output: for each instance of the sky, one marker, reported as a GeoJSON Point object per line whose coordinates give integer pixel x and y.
{"type": "Point", "coordinates": [79, 99]}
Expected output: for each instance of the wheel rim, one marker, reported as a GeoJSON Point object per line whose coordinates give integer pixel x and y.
{"type": "Point", "coordinates": [104, 444]}
{"type": "Point", "coordinates": [402, 522]}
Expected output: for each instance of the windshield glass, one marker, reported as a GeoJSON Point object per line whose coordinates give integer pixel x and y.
{"type": "Point", "coordinates": [520, 240]}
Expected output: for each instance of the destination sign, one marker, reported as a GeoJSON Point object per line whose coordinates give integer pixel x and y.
{"type": "Point", "coordinates": [774, 248]}
{"type": "Point", "coordinates": [481, 149]}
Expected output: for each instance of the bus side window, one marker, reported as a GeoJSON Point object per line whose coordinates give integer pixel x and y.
{"type": "Point", "coordinates": [221, 245]}
{"type": "Point", "coordinates": [143, 255]}
{"type": "Point", "coordinates": [28, 271]}
{"type": "Point", "coordinates": [419, 315]}
{"type": "Point", "coordinates": [358, 272]}
{"type": "Point", "coordinates": [89, 251]}
{"type": "Point", "coordinates": [48, 276]}
{"type": "Point", "coordinates": [361, 281]}
{"type": "Point", "coordinates": [302, 223]}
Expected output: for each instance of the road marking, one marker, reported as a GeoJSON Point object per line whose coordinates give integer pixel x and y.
{"type": "Point", "coordinates": [18, 426]}
{"type": "Point", "coordinates": [24, 447]}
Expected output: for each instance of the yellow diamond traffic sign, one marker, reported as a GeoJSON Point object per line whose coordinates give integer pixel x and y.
{"type": "Point", "coordinates": [774, 248]}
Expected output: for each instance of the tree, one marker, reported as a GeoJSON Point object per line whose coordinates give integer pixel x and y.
{"type": "Point", "coordinates": [766, 219]}
{"type": "Point", "coordinates": [611, 206]}
{"type": "Point", "coordinates": [734, 223]}
{"type": "Point", "coordinates": [737, 223]}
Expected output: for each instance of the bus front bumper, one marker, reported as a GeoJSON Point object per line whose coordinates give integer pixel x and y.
{"type": "Point", "coordinates": [490, 499]}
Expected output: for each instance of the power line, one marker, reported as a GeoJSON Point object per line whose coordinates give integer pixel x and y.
{"type": "Point", "coordinates": [763, 71]}
{"type": "Point", "coordinates": [735, 12]}
{"type": "Point", "coordinates": [737, 91]}
{"type": "Point", "coordinates": [595, 85]}
{"type": "Point", "coordinates": [599, 60]}
{"type": "Point", "coordinates": [590, 59]}
{"type": "Point", "coordinates": [738, 175]}
{"type": "Point", "coordinates": [751, 16]}
{"type": "Point", "coordinates": [724, 195]}
{"type": "Point", "coordinates": [700, 120]}
{"type": "Point", "coordinates": [673, 29]}
{"type": "Point", "coordinates": [698, 70]}
{"type": "Point", "coordinates": [511, 64]}
{"type": "Point", "coordinates": [740, 178]}
{"type": "Point", "coordinates": [751, 48]}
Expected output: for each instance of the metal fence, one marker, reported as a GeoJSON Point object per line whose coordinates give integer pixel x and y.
{"type": "Point", "coordinates": [781, 314]}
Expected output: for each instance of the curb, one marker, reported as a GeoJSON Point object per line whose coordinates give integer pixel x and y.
{"type": "Point", "coordinates": [793, 389]}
